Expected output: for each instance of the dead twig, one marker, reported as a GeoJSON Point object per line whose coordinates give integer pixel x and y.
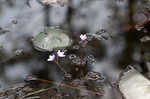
{"type": "Point", "coordinates": [69, 86]}
{"type": "Point", "coordinates": [35, 92]}
{"type": "Point", "coordinates": [60, 84]}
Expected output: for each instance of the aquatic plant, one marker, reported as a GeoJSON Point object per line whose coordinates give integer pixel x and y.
{"type": "Point", "coordinates": [59, 44]}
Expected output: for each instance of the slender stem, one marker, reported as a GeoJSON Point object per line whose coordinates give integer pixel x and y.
{"type": "Point", "coordinates": [81, 57]}
{"type": "Point", "coordinates": [60, 67]}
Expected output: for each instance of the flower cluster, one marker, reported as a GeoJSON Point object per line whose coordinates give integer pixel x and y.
{"type": "Point", "coordinates": [52, 57]}
{"type": "Point", "coordinates": [59, 54]}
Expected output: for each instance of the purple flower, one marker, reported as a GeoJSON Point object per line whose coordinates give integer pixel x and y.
{"type": "Point", "coordinates": [51, 58]}
{"type": "Point", "coordinates": [60, 54]}
{"type": "Point", "coordinates": [83, 37]}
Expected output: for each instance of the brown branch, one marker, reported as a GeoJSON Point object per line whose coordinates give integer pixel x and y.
{"type": "Point", "coordinates": [69, 86]}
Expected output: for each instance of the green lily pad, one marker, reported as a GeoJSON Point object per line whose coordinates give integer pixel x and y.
{"type": "Point", "coordinates": [51, 39]}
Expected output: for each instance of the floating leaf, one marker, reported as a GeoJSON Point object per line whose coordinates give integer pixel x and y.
{"type": "Point", "coordinates": [51, 39]}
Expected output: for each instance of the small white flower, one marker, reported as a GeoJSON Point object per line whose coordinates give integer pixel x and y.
{"type": "Point", "coordinates": [83, 37]}
{"type": "Point", "coordinates": [60, 54]}
{"type": "Point", "coordinates": [51, 58]}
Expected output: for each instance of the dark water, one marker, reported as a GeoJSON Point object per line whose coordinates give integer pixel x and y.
{"type": "Point", "coordinates": [19, 22]}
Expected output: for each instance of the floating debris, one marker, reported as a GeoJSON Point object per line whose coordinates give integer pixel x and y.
{"type": "Point", "coordinates": [54, 2]}
{"type": "Point", "coordinates": [51, 39]}
{"type": "Point", "coordinates": [100, 35]}
{"type": "Point", "coordinates": [134, 85]}
{"type": "Point", "coordinates": [95, 76]}
{"type": "Point", "coordinates": [145, 39]}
